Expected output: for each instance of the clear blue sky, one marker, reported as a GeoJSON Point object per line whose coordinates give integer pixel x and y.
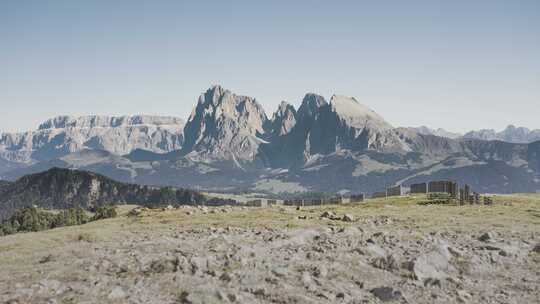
{"type": "Point", "coordinates": [454, 64]}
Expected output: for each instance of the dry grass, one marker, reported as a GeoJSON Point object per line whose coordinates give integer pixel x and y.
{"type": "Point", "coordinates": [516, 213]}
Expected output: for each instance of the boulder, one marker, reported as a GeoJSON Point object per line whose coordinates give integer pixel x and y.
{"type": "Point", "coordinates": [117, 293]}
{"type": "Point", "coordinates": [434, 264]}
{"type": "Point", "coordinates": [486, 237]}
{"type": "Point", "coordinates": [329, 215]}
{"type": "Point", "coordinates": [387, 294]}
{"type": "Point", "coordinates": [536, 248]}
{"type": "Point", "coordinates": [347, 218]}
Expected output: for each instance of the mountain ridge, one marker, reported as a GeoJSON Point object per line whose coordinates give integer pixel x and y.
{"type": "Point", "coordinates": [511, 134]}
{"type": "Point", "coordinates": [62, 135]}
{"type": "Point", "coordinates": [59, 188]}
{"type": "Point", "coordinates": [229, 144]}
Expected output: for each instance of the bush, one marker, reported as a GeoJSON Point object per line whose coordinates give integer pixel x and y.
{"type": "Point", "coordinates": [70, 217]}
{"type": "Point", "coordinates": [33, 219]}
{"type": "Point", "coordinates": [104, 212]}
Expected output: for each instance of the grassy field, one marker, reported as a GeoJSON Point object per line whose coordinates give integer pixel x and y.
{"type": "Point", "coordinates": [24, 257]}
{"type": "Point", "coordinates": [509, 212]}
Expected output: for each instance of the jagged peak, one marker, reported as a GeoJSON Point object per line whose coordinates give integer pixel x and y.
{"type": "Point", "coordinates": [216, 95]}
{"type": "Point", "coordinates": [283, 119]}
{"type": "Point", "coordinates": [224, 125]}
{"type": "Point", "coordinates": [311, 104]}
{"type": "Point", "coordinates": [283, 108]}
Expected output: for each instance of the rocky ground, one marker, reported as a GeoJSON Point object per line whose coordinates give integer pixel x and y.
{"type": "Point", "coordinates": [380, 251]}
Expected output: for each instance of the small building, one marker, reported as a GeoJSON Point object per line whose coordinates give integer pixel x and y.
{"type": "Point", "coordinates": [419, 188]}
{"type": "Point", "coordinates": [316, 202]}
{"type": "Point", "coordinates": [464, 194]}
{"type": "Point", "coordinates": [395, 191]}
{"type": "Point", "coordinates": [336, 200]}
{"type": "Point", "coordinates": [257, 203]}
{"type": "Point", "coordinates": [357, 198]}
{"type": "Point", "coordinates": [378, 194]}
{"type": "Point", "coordinates": [444, 187]}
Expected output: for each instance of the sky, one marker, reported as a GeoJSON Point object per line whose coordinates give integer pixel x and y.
{"type": "Point", "coordinates": [457, 65]}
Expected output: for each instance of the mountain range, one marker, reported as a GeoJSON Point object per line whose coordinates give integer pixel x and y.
{"type": "Point", "coordinates": [230, 144]}
{"type": "Point", "coordinates": [512, 134]}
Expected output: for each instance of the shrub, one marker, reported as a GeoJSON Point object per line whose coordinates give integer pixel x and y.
{"type": "Point", "coordinates": [70, 217]}
{"type": "Point", "coordinates": [33, 219]}
{"type": "Point", "coordinates": [104, 212]}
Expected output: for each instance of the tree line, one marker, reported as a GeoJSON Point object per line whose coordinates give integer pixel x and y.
{"type": "Point", "coordinates": [33, 219]}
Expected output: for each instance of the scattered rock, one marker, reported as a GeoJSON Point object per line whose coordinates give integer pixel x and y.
{"type": "Point", "coordinates": [225, 277]}
{"type": "Point", "coordinates": [348, 218]}
{"type": "Point", "coordinates": [489, 247]}
{"type": "Point", "coordinates": [117, 293]}
{"type": "Point", "coordinates": [46, 259]}
{"type": "Point", "coordinates": [433, 265]}
{"type": "Point", "coordinates": [280, 271]}
{"type": "Point", "coordinates": [536, 248]}
{"type": "Point", "coordinates": [485, 237]}
{"type": "Point", "coordinates": [374, 251]}
{"type": "Point", "coordinates": [198, 264]}
{"type": "Point", "coordinates": [185, 298]}
{"type": "Point", "coordinates": [164, 265]}
{"type": "Point", "coordinates": [387, 263]}
{"type": "Point", "coordinates": [386, 294]}
{"type": "Point", "coordinates": [135, 211]}
{"type": "Point", "coordinates": [463, 296]}
{"type": "Point", "coordinates": [320, 271]}
{"type": "Point", "coordinates": [329, 215]}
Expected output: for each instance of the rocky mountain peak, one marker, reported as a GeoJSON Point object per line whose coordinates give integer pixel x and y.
{"type": "Point", "coordinates": [284, 119]}
{"type": "Point", "coordinates": [437, 132]}
{"type": "Point", "coordinates": [283, 108]}
{"type": "Point", "coordinates": [217, 102]}
{"type": "Point", "coordinates": [224, 125]}
{"type": "Point", "coordinates": [356, 114]}
{"type": "Point", "coordinates": [311, 105]}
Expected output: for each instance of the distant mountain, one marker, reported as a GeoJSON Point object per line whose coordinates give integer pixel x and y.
{"type": "Point", "coordinates": [62, 135]}
{"type": "Point", "coordinates": [437, 132]}
{"type": "Point", "coordinates": [229, 144]}
{"type": "Point", "coordinates": [62, 188]}
{"type": "Point", "coordinates": [510, 134]}
{"type": "Point", "coordinates": [4, 184]}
